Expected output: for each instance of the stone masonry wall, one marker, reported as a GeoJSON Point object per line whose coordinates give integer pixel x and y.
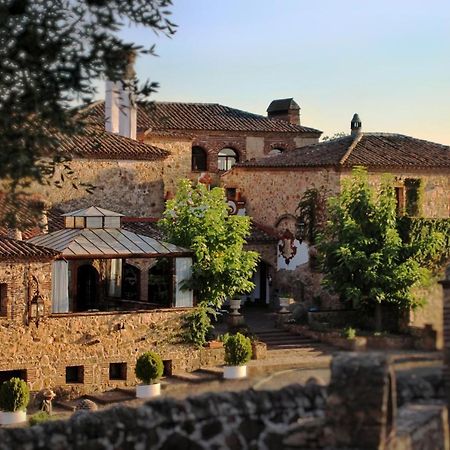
{"type": "Point", "coordinates": [436, 188]}
{"type": "Point", "coordinates": [16, 276]}
{"type": "Point", "coordinates": [272, 193]}
{"type": "Point", "coordinates": [134, 188]}
{"type": "Point", "coordinates": [93, 340]}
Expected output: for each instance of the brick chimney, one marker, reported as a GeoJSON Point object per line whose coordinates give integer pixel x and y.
{"type": "Point", "coordinates": [120, 106]}
{"type": "Point", "coordinates": [284, 109]}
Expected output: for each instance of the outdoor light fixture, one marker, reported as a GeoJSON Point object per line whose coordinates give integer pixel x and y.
{"type": "Point", "coordinates": [269, 279]}
{"type": "Point", "coordinates": [36, 303]}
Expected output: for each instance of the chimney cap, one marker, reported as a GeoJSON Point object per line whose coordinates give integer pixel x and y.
{"type": "Point", "coordinates": [356, 122]}
{"type": "Point", "coordinates": [283, 104]}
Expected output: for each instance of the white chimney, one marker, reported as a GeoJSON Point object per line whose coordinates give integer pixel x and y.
{"type": "Point", "coordinates": [120, 106]}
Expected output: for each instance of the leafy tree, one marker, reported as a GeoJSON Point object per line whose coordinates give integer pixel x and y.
{"type": "Point", "coordinates": [52, 52]}
{"type": "Point", "coordinates": [364, 258]}
{"type": "Point", "coordinates": [337, 135]}
{"type": "Point", "coordinates": [312, 213]}
{"type": "Point", "coordinates": [198, 218]}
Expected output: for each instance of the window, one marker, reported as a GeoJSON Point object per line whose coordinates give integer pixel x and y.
{"type": "Point", "coordinates": [412, 196]}
{"type": "Point", "coordinates": [3, 300]}
{"type": "Point", "coordinates": [400, 198]}
{"type": "Point", "coordinates": [74, 374]}
{"type": "Point", "coordinates": [6, 375]}
{"type": "Point", "coordinates": [118, 371]}
{"type": "Point", "coordinates": [199, 159]}
{"type": "Point", "coordinates": [275, 152]}
{"type": "Point", "coordinates": [227, 159]}
{"type": "Point", "coordinates": [160, 280]}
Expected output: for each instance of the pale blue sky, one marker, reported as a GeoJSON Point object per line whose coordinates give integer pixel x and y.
{"type": "Point", "coordinates": [388, 60]}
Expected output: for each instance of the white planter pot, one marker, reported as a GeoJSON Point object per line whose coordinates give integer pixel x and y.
{"type": "Point", "coordinates": [235, 304]}
{"type": "Point", "coordinates": [234, 372]}
{"type": "Point", "coordinates": [148, 390]}
{"type": "Point", "coordinates": [9, 418]}
{"type": "Point", "coordinates": [284, 303]}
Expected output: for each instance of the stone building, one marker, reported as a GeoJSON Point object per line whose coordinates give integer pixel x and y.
{"type": "Point", "coordinates": [78, 305]}
{"type": "Point", "coordinates": [273, 186]}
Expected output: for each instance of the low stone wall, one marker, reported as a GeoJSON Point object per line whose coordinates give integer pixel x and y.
{"type": "Point", "coordinates": [357, 411]}
{"type": "Point", "coordinates": [93, 341]}
{"type": "Point", "coordinates": [232, 420]}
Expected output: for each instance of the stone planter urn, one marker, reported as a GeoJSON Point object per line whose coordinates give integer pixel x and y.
{"type": "Point", "coordinates": [235, 304]}
{"type": "Point", "coordinates": [284, 303]}
{"type": "Point", "coordinates": [148, 390]}
{"type": "Point", "coordinates": [12, 417]}
{"type": "Point", "coordinates": [234, 372]}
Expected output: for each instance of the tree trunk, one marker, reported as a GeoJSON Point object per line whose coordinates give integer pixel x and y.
{"type": "Point", "coordinates": [378, 318]}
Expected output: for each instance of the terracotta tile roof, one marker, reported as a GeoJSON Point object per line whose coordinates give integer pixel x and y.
{"type": "Point", "coordinates": [199, 116]}
{"type": "Point", "coordinates": [14, 249]}
{"type": "Point", "coordinates": [98, 143]}
{"type": "Point", "coordinates": [373, 150]}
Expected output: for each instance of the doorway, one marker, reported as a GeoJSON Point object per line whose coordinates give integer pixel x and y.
{"type": "Point", "coordinates": [87, 288]}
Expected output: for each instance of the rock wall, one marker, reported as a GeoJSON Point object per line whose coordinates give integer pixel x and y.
{"type": "Point", "coordinates": [133, 188]}
{"type": "Point", "coordinates": [357, 411]}
{"type": "Point", "coordinates": [94, 341]}
{"type": "Point", "coordinates": [271, 194]}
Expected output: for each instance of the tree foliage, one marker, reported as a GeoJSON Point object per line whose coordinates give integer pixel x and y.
{"type": "Point", "coordinates": [198, 218]}
{"type": "Point", "coordinates": [52, 53]}
{"type": "Point", "coordinates": [312, 214]}
{"type": "Point", "coordinates": [364, 258]}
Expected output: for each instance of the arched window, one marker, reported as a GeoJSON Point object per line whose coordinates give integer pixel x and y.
{"type": "Point", "coordinates": [275, 152]}
{"type": "Point", "coordinates": [227, 159]}
{"type": "Point", "coordinates": [199, 159]}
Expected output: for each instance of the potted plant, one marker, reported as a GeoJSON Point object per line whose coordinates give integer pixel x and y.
{"type": "Point", "coordinates": [149, 369]}
{"type": "Point", "coordinates": [14, 398]}
{"type": "Point", "coordinates": [238, 351]}
{"type": "Point", "coordinates": [286, 299]}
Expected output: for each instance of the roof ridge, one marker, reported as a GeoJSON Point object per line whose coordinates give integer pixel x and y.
{"type": "Point", "coordinates": [387, 134]}
{"type": "Point", "coordinates": [350, 149]}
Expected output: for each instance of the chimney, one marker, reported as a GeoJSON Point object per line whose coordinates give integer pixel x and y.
{"type": "Point", "coordinates": [120, 106]}
{"type": "Point", "coordinates": [43, 221]}
{"type": "Point", "coordinates": [14, 233]}
{"type": "Point", "coordinates": [284, 109]}
{"type": "Point", "coordinates": [356, 125]}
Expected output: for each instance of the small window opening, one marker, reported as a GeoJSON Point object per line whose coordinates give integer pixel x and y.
{"type": "Point", "coordinates": [118, 371]}
{"type": "Point", "coordinates": [74, 374]}
{"type": "Point", "coordinates": [231, 193]}
{"type": "Point", "coordinates": [167, 368]}
{"type": "Point", "coordinates": [227, 158]}
{"type": "Point", "coordinates": [6, 375]}
{"type": "Point", "coordinates": [199, 159]}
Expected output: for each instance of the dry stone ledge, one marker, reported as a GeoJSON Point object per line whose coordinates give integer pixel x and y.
{"type": "Point", "coordinates": [248, 419]}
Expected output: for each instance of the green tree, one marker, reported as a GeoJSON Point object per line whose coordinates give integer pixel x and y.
{"type": "Point", "coordinates": [199, 219]}
{"type": "Point", "coordinates": [52, 54]}
{"type": "Point", "coordinates": [364, 258]}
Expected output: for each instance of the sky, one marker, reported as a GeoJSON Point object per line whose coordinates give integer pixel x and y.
{"type": "Point", "coordinates": [387, 60]}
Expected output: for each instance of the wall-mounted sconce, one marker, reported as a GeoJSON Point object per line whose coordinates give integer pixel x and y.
{"type": "Point", "coordinates": [36, 303]}
{"type": "Point", "coordinates": [269, 279]}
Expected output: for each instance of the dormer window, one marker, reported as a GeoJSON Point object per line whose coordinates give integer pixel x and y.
{"type": "Point", "coordinates": [92, 218]}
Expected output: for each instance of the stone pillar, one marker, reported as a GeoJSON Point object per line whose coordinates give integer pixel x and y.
{"type": "Point", "coordinates": [446, 286]}
{"type": "Point", "coordinates": [362, 405]}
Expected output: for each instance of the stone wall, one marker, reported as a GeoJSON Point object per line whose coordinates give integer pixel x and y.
{"type": "Point", "coordinates": [93, 341]}
{"type": "Point", "coordinates": [357, 411]}
{"type": "Point", "coordinates": [436, 188]}
{"type": "Point", "coordinates": [133, 188]}
{"type": "Point", "coordinates": [17, 278]}
{"type": "Point", "coordinates": [271, 194]}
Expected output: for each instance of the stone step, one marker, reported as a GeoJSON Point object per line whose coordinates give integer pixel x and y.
{"type": "Point", "coordinates": [198, 376]}
{"type": "Point", "coordinates": [114, 396]}
{"type": "Point", "coordinates": [287, 339]}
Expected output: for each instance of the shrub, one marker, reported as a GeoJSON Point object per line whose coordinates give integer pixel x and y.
{"type": "Point", "coordinates": [149, 367]}
{"type": "Point", "coordinates": [14, 395]}
{"type": "Point", "coordinates": [349, 333]}
{"type": "Point", "coordinates": [238, 350]}
{"type": "Point", "coordinates": [197, 325]}
{"type": "Point", "coordinates": [39, 417]}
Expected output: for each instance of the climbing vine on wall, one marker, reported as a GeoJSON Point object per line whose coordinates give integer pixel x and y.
{"type": "Point", "coordinates": [312, 214]}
